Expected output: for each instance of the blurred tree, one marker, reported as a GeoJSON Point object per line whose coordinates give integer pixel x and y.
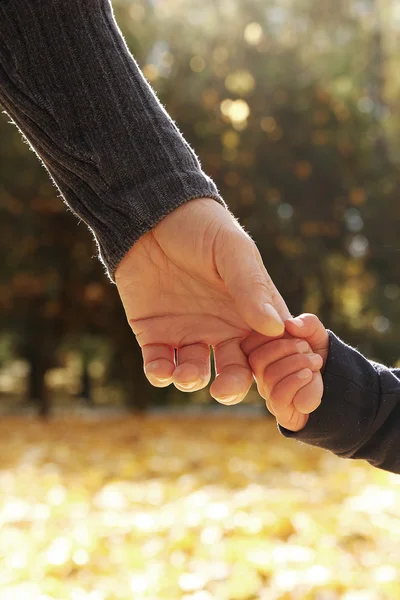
{"type": "Point", "coordinates": [53, 291]}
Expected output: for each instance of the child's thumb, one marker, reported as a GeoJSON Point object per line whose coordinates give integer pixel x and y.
{"type": "Point", "coordinates": [310, 327]}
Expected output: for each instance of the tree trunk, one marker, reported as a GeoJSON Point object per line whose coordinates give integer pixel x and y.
{"type": "Point", "coordinates": [86, 391]}
{"type": "Point", "coordinates": [37, 392]}
{"type": "Point", "coordinates": [138, 392]}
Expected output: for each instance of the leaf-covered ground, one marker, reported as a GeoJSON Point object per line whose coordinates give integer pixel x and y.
{"type": "Point", "coordinates": [171, 508]}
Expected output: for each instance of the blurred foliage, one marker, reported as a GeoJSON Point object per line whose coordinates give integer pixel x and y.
{"type": "Point", "coordinates": [293, 108]}
{"type": "Point", "coordinates": [165, 508]}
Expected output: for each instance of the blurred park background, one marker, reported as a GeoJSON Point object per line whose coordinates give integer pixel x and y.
{"type": "Point", "coordinates": [294, 110]}
{"type": "Point", "coordinates": [293, 107]}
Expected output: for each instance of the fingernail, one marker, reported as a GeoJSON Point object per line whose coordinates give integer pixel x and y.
{"type": "Point", "coordinates": [187, 386]}
{"type": "Point", "coordinates": [304, 374]}
{"type": "Point", "coordinates": [302, 346]}
{"type": "Point", "coordinates": [271, 312]}
{"type": "Point", "coordinates": [163, 379]}
{"type": "Point", "coordinates": [316, 359]}
{"type": "Point", "coordinates": [297, 321]}
{"type": "Point", "coordinates": [227, 399]}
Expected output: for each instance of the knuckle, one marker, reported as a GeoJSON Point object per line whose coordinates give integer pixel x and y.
{"type": "Point", "coordinates": [274, 398]}
{"type": "Point", "coordinates": [255, 280]}
{"type": "Point", "coordinates": [249, 345]}
{"type": "Point", "coordinates": [265, 353]}
{"type": "Point", "coordinates": [269, 404]}
{"type": "Point", "coordinates": [312, 320]}
{"type": "Point", "coordinates": [278, 400]}
{"type": "Point", "coordinates": [299, 361]}
{"type": "Point", "coordinates": [260, 389]}
{"type": "Point", "coordinates": [258, 359]}
{"type": "Point", "coordinates": [288, 347]}
{"type": "Point", "coordinates": [292, 344]}
{"type": "Point", "coordinates": [268, 379]}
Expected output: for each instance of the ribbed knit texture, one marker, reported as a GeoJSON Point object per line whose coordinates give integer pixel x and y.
{"type": "Point", "coordinates": [69, 82]}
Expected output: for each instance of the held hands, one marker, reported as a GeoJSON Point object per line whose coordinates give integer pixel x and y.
{"type": "Point", "coordinates": [288, 369]}
{"type": "Point", "coordinates": [197, 280]}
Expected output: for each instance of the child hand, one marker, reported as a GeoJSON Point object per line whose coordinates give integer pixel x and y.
{"type": "Point", "coordinates": [287, 370]}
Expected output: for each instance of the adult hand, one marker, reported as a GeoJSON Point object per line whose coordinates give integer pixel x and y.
{"type": "Point", "coordinates": [197, 280]}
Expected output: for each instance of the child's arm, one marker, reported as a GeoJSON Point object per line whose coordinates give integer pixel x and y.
{"type": "Point", "coordinates": [359, 416]}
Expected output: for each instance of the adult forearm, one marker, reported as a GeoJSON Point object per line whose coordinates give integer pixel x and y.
{"type": "Point", "coordinates": [70, 84]}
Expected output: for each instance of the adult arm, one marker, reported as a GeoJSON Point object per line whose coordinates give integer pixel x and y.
{"type": "Point", "coordinates": [188, 275]}
{"type": "Point", "coordinates": [69, 82]}
{"type": "Point", "coordinates": [359, 416]}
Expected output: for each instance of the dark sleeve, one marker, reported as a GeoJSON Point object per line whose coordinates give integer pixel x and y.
{"type": "Point", "coordinates": [70, 84]}
{"type": "Point", "coordinates": [359, 416]}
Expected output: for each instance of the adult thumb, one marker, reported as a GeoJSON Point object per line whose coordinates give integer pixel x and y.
{"type": "Point", "coordinates": [240, 266]}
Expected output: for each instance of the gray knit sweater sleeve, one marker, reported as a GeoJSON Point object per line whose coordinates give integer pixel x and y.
{"type": "Point", "coordinates": [69, 82]}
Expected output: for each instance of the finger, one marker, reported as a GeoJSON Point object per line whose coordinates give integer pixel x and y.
{"type": "Point", "coordinates": [309, 397]}
{"type": "Point", "coordinates": [159, 364]}
{"type": "Point", "coordinates": [240, 265]}
{"type": "Point", "coordinates": [233, 374]}
{"type": "Point", "coordinates": [281, 396]}
{"type": "Point", "coordinates": [289, 365]}
{"type": "Point", "coordinates": [310, 327]}
{"type": "Point", "coordinates": [280, 401]}
{"type": "Point", "coordinates": [272, 352]}
{"type": "Point", "coordinates": [254, 340]}
{"type": "Point", "coordinates": [295, 421]}
{"type": "Point", "coordinates": [193, 370]}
